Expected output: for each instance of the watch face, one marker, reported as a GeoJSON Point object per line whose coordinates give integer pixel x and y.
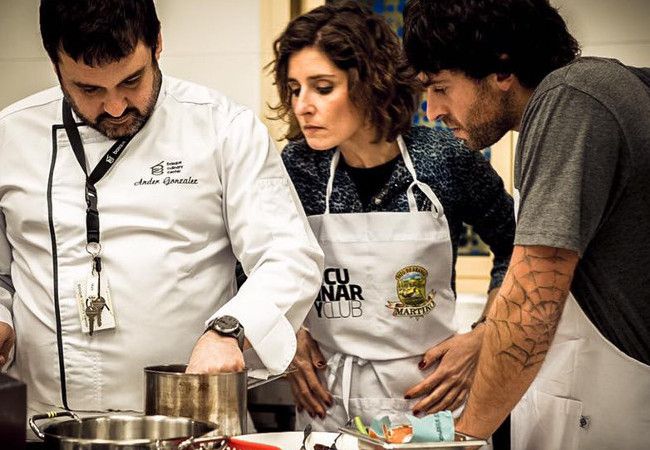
{"type": "Point", "coordinates": [227, 324]}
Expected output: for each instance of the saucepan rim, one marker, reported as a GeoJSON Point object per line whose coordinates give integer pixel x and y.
{"type": "Point", "coordinates": [52, 431]}
{"type": "Point", "coordinates": [178, 370]}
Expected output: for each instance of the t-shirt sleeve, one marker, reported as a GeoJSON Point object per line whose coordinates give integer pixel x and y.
{"type": "Point", "coordinates": [567, 158]}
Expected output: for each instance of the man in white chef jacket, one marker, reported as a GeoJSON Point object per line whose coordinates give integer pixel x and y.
{"type": "Point", "coordinates": [118, 246]}
{"type": "Point", "coordinates": [567, 341]}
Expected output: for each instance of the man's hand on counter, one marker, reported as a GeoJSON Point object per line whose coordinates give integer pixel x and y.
{"type": "Point", "coordinates": [214, 353]}
{"type": "Point", "coordinates": [7, 339]}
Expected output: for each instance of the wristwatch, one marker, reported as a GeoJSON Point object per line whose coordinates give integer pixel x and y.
{"type": "Point", "coordinates": [228, 326]}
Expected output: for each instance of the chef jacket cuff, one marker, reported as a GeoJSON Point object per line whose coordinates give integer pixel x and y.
{"type": "Point", "coordinates": [5, 313]}
{"type": "Point", "coordinates": [5, 316]}
{"type": "Point", "coordinates": [268, 331]}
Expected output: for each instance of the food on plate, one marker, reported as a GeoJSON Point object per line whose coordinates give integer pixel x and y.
{"type": "Point", "coordinates": [360, 426]}
{"type": "Point", "coordinates": [438, 427]}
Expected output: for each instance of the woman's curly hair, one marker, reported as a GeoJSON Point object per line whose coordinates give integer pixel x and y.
{"type": "Point", "coordinates": [381, 84]}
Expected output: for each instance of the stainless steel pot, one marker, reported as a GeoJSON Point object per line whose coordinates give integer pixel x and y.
{"type": "Point", "coordinates": [126, 431]}
{"type": "Point", "coordinates": [218, 398]}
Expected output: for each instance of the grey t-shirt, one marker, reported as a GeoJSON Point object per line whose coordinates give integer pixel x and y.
{"type": "Point", "coordinates": [583, 172]}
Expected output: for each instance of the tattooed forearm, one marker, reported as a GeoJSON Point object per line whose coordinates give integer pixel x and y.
{"type": "Point", "coordinates": [530, 302]}
{"type": "Point", "coordinates": [519, 330]}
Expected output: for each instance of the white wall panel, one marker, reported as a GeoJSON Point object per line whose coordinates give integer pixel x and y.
{"type": "Point", "coordinates": [234, 75]}
{"type": "Point", "coordinates": [209, 26]}
{"type": "Point", "coordinates": [215, 43]}
{"type": "Point", "coordinates": [24, 65]}
{"type": "Point", "coordinates": [614, 28]}
{"type": "Point", "coordinates": [20, 78]}
{"type": "Point", "coordinates": [212, 42]}
{"type": "Point", "coordinates": [633, 54]}
{"type": "Point", "coordinates": [19, 33]}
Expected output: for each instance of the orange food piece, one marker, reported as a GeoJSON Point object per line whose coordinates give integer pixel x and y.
{"type": "Point", "coordinates": [395, 435]}
{"type": "Point", "coordinates": [399, 434]}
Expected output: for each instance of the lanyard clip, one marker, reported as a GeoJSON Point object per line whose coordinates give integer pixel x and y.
{"type": "Point", "coordinates": [92, 217]}
{"type": "Point", "coordinates": [91, 198]}
{"type": "Point", "coordinates": [97, 265]}
{"type": "Point", "coordinates": [94, 249]}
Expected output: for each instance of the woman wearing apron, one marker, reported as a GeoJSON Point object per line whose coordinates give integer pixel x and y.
{"type": "Point", "coordinates": [386, 203]}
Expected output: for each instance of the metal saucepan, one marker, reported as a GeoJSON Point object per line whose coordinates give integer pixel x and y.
{"type": "Point", "coordinates": [126, 431]}
{"type": "Point", "coordinates": [216, 398]}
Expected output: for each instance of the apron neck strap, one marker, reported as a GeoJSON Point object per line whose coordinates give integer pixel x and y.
{"type": "Point", "coordinates": [436, 206]}
{"type": "Point", "coordinates": [330, 181]}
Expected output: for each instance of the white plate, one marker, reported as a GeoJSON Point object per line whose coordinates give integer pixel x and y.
{"type": "Point", "coordinates": [292, 440]}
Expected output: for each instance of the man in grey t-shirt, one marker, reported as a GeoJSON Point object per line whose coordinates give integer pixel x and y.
{"type": "Point", "coordinates": [583, 173]}
{"type": "Point", "coordinates": [570, 328]}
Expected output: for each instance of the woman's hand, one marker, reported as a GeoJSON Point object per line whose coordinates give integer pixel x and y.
{"type": "Point", "coordinates": [446, 388]}
{"type": "Point", "coordinates": [308, 391]}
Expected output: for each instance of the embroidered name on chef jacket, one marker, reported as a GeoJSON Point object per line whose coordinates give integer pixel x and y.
{"type": "Point", "coordinates": [338, 298]}
{"type": "Point", "coordinates": [166, 173]}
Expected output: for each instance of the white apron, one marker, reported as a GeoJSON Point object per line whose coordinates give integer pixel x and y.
{"type": "Point", "coordinates": [386, 298]}
{"type": "Point", "coordinates": [587, 395]}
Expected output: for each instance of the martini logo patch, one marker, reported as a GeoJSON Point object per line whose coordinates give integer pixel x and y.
{"type": "Point", "coordinates": [413, 300]}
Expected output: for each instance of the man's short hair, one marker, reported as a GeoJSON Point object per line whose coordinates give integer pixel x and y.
{"type": "Point", "coordinates": [97, 32]}
{"type": "Point", "coordinates": [381, 84]}
{"type": "Point", "coordinates": [527, 38]}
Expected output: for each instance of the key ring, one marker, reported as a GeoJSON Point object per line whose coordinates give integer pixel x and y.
{"type": "Point", "coordinates": [94, 249]}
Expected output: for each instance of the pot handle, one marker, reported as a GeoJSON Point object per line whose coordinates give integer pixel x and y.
{"type": "Point", "coordinates": [191, 442]}
{"type": "Point", "coordinates": [49, 415]}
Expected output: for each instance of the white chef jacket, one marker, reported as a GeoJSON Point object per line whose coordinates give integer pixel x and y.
{"type": "Point", "coordinates": [198, 188]}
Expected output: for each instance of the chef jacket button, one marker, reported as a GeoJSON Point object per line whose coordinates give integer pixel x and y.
{"type": "Point", "coordinates": [377, 201]}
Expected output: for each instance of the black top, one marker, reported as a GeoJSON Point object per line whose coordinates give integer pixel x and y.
{"type": "Point", "coordinates": [369, 180]}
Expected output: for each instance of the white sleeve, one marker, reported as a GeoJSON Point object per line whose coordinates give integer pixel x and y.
{"type": "Point", "coordinates": [271, 237]}
{"type": "Point", "coordinates": [6, 287]}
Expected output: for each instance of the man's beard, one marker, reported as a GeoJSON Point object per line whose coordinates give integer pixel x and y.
{"type": "Point", "coordinates": [490, 118]}
{"type": "Point", "coordinates": [135, 119]}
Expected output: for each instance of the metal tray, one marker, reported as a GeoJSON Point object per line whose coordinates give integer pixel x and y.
{"type": "Point", "coordinates": [367, 443]}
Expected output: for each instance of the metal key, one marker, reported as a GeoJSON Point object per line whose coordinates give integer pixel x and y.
{"type": "Point", "coordinates": [91, 313]}
{"type": "Point", "coordinates": [98, 304]}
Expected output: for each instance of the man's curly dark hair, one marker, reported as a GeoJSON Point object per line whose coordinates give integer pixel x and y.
{"type": "Point", "coordinates": [380, 81]}
{"type": "Point", "coordinates": [527, 38]}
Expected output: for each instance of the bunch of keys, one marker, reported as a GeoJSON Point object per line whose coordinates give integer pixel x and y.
{"type": "Point", "coordinates": [95, 304]}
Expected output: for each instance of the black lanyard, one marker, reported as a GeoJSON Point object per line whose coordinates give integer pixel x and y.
{"type": "Point", "coordinates": [92, 214]}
